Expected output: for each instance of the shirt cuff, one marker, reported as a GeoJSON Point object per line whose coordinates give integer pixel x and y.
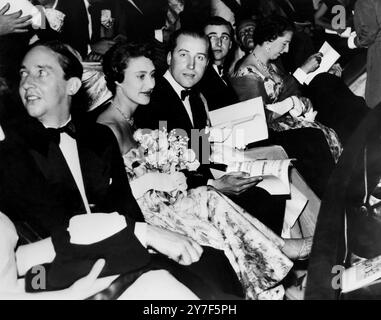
{"type": "Point", "coordinates": [141, 232]}
{"type": "Point", "coordinates": [351, 43]}
{"type": "Point", "coordinates": [159, 35]}
{"type": "Point", "coordinates": [300, 75]}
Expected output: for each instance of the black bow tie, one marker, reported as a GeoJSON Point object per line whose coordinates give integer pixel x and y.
{"type": "Point", "coordinates": [55, 133]}
{"type": "Point", "coordinates": [185, 93]}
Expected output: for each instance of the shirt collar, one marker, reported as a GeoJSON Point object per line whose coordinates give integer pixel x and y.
{"type": "Point", "coordinates": [62, 124]}
{"type": "Point", "coordinates": [174, 84]}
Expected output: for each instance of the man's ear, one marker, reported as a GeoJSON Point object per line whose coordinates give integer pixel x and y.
{"type": "Point", "coordinates": [169, 58]}
{"type": "Point", "coordinates": [73, 86]}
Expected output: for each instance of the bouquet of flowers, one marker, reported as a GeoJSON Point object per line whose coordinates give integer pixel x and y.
{"type": "Point", "coordinates": [160, 151]}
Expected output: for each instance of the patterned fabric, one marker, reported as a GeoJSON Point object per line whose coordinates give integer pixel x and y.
{"type": "Point", "coordinates": [275, 88]}
{"type": "Point", "coordinates": [213, 220]}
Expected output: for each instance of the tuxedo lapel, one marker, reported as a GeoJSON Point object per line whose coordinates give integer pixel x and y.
{"type": "Point", "coordinates": [57, 175]}
{"type": "Point", "coordinates": [177, 114]}
{"type": "Point", "coordinates": [90, 162]}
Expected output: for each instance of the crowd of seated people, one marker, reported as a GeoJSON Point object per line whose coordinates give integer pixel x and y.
{"type": "Point", "coordinates": [72, 191]}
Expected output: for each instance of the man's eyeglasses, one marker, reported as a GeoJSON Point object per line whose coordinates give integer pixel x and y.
{"type": "Point", "coordinates": [223, 38]}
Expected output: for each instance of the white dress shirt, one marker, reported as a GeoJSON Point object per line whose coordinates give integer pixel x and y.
{"type": "Point", "coordinates": [218, 72]}
{"type": "Point", "coordinates": [69, 149]}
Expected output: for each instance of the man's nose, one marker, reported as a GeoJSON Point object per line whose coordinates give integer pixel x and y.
{"type": "Point", "coordinates": [28, 82]}
{"type": "Point", "coordinates": [219, 42]}
{"type": "Point", "coordinates": [191, 63]}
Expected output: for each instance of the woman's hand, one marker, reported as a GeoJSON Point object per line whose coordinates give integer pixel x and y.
{"type": "Point", "coordinates": [336, 70]}
{"type": "Point", "coordinates": [312, 63]}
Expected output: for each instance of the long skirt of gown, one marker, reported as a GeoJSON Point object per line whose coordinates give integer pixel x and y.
{"type": "Point", "coordinates": [212, 219]}
{"type": "Point", "coordinates": [288, 123]}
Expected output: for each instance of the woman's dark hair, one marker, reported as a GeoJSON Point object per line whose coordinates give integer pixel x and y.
{"type": "Point", "coordinates": [68, 58]}
{"type": "Point", "coordinates": [116, 60]}
{"type": "Point", "coordinates": [272, 27]}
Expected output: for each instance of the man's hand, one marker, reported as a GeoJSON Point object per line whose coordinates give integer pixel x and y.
{"type": "Point", "coordinates": [174, 245]}
{"type": "Point", "coordinates": [13, 23]}
{"type": "Point", "coordinates": [102, 46]}
{"type": "Point", "coordinates": [235, 183]}
{"type": "Point", "coordinates": [312, 63]}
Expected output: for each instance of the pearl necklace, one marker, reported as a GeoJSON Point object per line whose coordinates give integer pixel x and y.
{"type": "Point", "coordinates": [130, 121]}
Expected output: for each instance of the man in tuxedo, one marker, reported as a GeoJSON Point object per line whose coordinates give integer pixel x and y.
{"type": "Point", "coordinates": [215, 84]}
{"type": "Point", "coordinates": [177, 101]}
{"type": "Point", "coordinates": [54, 167]}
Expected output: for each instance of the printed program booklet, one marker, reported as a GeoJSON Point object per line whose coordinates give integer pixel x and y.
{"type": "Point", "coordinates": [275, 174]}
{"type": "Point", "coordinates": [247, 119]}
{"type": "Point", "coordinates": [367, 272]}
{"type": "Point", "coordinates": [330, 56]}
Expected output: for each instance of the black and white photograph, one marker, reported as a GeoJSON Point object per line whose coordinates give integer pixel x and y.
{"type": "Point", "coordinates": [200, 153]}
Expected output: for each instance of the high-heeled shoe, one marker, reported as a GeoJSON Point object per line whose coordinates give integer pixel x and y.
{"type": "Point", "coordinates": [297, 249]}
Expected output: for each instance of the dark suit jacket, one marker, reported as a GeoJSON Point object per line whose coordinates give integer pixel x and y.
{"type": "Point", "coordinates": [218, 93]}
{"type": "Point", "coordinates": [39, 189]}
{"type": "Point", "coordinates": [167, 106]}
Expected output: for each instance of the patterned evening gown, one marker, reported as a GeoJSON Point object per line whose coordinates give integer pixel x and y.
{"type": "Point", "coordinates": [212, 219]}
{"type": "Point", "coordinates": [249, 81]}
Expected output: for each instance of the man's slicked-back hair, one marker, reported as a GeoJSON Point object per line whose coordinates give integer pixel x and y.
{"type": "Point", "coordinates": [68, 58]}
{"type": "Point", "coordinates": [197, 34]}
{"type": "Point", "coordinates": [116, 60]}
{"type": "Point", "coordinates": [219, 21]}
